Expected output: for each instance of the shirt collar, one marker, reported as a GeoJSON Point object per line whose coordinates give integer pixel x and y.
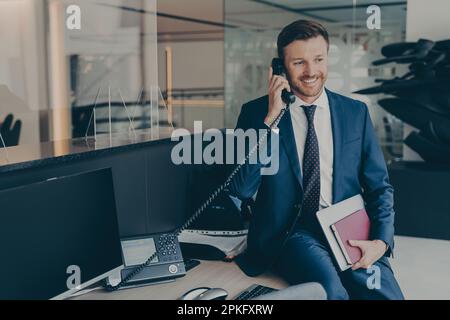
{"type": "Point", "coordinates": [320, 102]}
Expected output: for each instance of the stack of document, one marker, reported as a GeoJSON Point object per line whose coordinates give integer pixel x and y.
{"type": "Point", "coordinates": [231, 243]}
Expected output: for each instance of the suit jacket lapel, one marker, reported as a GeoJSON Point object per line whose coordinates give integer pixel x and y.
{"type": "Point", "coordinates": [288, 138]}
{"type": "Point", "coordinates": [337, 114]}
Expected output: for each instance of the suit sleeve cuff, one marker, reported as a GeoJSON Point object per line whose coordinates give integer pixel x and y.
{"type": "Point", "coordinates": [387, 237]}
{"type": "Point", "coordinates": [275, 130]}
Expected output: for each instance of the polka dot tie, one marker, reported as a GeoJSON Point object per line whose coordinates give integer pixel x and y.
{"type": "Point", "coordinates": [311, 169]}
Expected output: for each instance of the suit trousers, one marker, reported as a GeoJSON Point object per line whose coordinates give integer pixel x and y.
{"type": "Point", "coordinates": [307, 257]}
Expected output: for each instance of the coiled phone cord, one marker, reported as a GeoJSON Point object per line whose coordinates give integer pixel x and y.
{"type": "Point", "coordinates": [204, 206]}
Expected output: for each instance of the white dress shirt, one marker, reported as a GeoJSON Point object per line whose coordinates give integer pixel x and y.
{"type": "Point", "coordinates": [322, 125]}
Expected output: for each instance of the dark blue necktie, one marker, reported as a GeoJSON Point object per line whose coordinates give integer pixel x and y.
{"type": "Point", "coordinates": [311, 170]}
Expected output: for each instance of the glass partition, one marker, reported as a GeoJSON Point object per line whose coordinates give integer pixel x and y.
{"type": "Point", "coordinates": [127, 119]}
{"type": "Point", "coordinates": [62, 59]}
{"type": "Point", "coordinates": [102, 124]}
{"type": "Point", "coordinates": [59, 58]}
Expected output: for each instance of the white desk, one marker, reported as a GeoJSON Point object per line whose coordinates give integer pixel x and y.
{"type": "Point", "coordinates": [214, 274]}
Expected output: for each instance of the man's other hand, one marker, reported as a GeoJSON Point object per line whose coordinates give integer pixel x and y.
{"type": "Point", "coordinates": [372, 250]}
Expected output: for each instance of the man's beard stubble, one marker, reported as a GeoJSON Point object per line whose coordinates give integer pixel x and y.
{"type": "Point", "coordinates": [296, 86]}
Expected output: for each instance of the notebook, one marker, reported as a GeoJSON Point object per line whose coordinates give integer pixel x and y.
{"type": "Point", "coordinates": [355, 226]}
{"type": "Point", "coordinates": [339, 212]}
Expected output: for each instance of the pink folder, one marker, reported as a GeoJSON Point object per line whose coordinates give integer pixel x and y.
{"type": "Point", "coordinates": [355, 226]}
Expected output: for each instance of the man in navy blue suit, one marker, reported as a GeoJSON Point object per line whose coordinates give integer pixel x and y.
{"type": "Point", "coordinates": [328, 153]}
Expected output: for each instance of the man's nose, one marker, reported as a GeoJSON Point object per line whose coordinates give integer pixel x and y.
{"type": "Point", "coordinates": [308, 70]}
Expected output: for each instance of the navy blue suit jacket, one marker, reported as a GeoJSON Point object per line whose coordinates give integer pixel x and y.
{"type": "Point", "coordinates": [359, 168]}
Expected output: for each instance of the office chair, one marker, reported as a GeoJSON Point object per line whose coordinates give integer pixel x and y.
{"type": "Point", "coordinates": [10, 131]}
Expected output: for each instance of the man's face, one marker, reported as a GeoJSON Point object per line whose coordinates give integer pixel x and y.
{"type": "Point", "coordinates": [306, 64]}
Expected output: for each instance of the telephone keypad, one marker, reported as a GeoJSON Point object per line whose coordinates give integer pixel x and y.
{"type": "Point", "coordinates": [167, 248]}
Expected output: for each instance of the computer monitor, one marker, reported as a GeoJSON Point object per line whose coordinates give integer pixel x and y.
{"type": "Point", "coordinates": [58, 236]}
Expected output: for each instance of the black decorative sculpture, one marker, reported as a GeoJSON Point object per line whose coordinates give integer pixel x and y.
{"type": "Point", "coordinates": [421, 96]}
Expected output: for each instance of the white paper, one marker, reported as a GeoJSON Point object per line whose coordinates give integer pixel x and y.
{"type": "Point", "coordinates": [226, 241]}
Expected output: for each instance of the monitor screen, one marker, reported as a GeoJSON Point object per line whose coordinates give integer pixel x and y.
{"type": "Point", "coordinates": [58, 236]}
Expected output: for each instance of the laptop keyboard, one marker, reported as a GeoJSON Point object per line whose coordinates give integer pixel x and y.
{"type": "Point", "coordinates": [253, 292]}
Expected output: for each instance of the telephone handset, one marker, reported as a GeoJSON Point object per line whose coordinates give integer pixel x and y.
{"type": "Point", "coordinates": [278, 69]}
{"type": "Point", "coordinates": [288, 98]}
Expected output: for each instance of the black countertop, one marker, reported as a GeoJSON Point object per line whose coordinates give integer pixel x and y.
{"type": "Point", "coordinates": [53, 152]}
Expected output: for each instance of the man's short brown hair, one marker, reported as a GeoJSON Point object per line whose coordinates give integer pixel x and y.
{"type": "Point", "coordinates": [300, 30]}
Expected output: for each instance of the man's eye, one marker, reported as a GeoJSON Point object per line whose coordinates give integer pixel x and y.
{"type": "Point", "coordinates": [298, 62]}
{"type": "Point", "coordinates": [319, 59]}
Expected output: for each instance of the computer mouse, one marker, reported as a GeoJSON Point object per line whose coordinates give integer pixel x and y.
{"type": "Point", "coordinates": [212, 294]}
{"type": "Point", "coordinates": [205, 293]}
{"type": "Point", "coordinates": [194, 293]}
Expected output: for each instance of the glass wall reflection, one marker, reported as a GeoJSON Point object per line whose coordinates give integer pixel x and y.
{"type": "Point", "coordinates": [250, 44]}
{"type": "Point", "coordinates": [57, 63]}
